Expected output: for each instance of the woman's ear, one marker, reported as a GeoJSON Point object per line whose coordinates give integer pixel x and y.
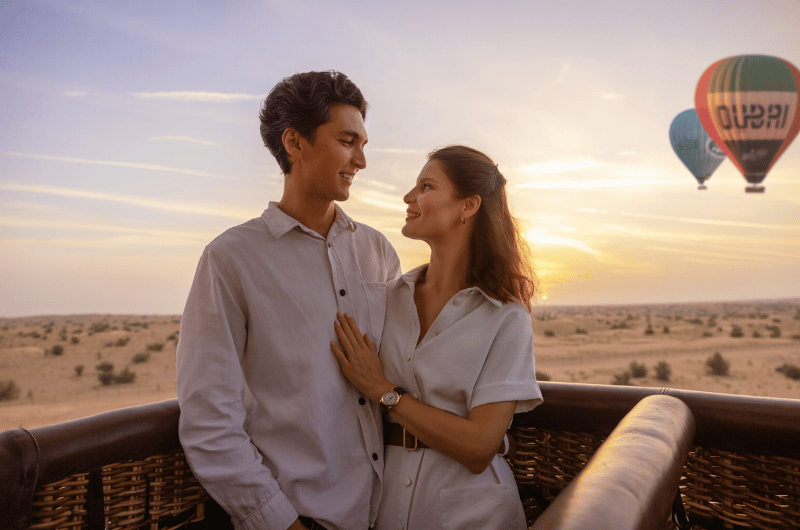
{"type": "Point", "coordinates": [471, 206]}
{"type": "Point", "coordinates": [292, 144]}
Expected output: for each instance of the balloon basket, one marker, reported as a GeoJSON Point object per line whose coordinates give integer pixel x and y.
{"type": "Point", "coordinates": [702, 187]}
{"type": "Point", "coordinates": [754, 189]}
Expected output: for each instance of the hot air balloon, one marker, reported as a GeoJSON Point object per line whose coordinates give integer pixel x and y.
{"type": "Point", "coordinates": [694, 146]}
{"type": "Point", "coordinates": [748, 105]}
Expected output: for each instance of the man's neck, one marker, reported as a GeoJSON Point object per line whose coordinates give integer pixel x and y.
{"type": "Point", "coordinates": [316, 215]}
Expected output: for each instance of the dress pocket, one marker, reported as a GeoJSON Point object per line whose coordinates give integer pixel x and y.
{"type": "Point", "coordinates": [487, 507]}
{"type": "Point", "coordinates": [376, 304]}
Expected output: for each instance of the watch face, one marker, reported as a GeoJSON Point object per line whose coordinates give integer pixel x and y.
{"type": "Point", "coordinates": [390, 398]}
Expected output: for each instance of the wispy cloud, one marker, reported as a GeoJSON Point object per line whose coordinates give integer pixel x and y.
{"type": "Point", "coordinates": [716, 222]}
{"type": "Point", "coordinates": [399, 151]}
{"type": "Point", "coordinates": [540, 238]}
{"type": "Point", "coordinates": [74, 93]}
{"type": "Point", "coordinates": [198, 97]}
{"type": "Point", "coordinates": [61, 224]}
{"type": "Point", "coordinates": [595, 183]}
{"type": "Point", "coordinates": [226, 211]}
{"type": "Point", "coordinates": [134, 165]}
{"type": "Point", "coordinates": [560, 166]}
{"type": "Point", "coordinates": [182, 139]}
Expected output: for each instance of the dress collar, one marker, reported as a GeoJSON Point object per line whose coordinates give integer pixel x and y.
{"type": "Point", "coordinates": [410, 279]}
{"type": "Point", "coordinates": [280, 222]}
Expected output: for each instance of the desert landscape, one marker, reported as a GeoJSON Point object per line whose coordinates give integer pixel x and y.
{"type": "Point", "coordinates": [62, 367]}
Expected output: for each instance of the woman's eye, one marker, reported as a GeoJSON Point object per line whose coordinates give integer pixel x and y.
{"type": "Point", "coordinates": [425, 186]}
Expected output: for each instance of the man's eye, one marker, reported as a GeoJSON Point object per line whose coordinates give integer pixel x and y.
{"type": "Point", "coordinates": [347, 142]}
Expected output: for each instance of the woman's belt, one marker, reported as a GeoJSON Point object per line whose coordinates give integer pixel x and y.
{"type": "Point", "coordinates": [396, 434]}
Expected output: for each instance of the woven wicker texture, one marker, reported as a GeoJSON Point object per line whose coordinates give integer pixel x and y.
{"type": "Point", "coordinates": [146, 494]}
{"type": "Point", "coordinates": [740, 490]}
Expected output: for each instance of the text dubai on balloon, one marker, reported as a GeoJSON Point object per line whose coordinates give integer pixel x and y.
{"type": "Point", "coordinates": [748, 105]}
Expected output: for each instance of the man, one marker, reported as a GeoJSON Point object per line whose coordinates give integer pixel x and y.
{"type": "Point", "coordinates": [269, 424]}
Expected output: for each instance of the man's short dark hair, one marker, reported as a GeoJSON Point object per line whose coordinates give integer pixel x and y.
{"type": "Point", "coordinates": [302, 102]}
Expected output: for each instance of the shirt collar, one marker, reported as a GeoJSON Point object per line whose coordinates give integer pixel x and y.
{"type": "Point", "coordinates": [410, 278]}
{"type": "Point", "coordinates": [280, 222]}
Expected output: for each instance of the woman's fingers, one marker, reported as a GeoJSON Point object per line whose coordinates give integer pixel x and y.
{"type": "Point", "coordinates": [338, 353]}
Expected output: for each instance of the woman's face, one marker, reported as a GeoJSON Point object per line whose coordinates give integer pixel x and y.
{"type": "Point", "coordinates": [433, 210]}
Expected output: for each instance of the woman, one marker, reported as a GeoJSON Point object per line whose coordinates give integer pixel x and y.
{"type": "Point", "coordinates": [456, 358]}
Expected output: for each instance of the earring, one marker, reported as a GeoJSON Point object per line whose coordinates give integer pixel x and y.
{"type": "Point", "coordinates": [463, 222]}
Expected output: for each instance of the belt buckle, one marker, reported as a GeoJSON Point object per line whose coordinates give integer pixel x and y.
{"type": "Point", "coordinates": [409, 449]}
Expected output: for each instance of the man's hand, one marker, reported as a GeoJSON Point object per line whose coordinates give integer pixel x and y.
{"type": "Point", "coordinates": [297, 525]}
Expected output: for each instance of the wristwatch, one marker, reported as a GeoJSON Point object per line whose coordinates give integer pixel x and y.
{"type": "Point", "coordinates": [391, 398]}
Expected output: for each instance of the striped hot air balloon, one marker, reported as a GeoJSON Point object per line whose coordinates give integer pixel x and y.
{"type": "Point", "coordinates": [748, 105]}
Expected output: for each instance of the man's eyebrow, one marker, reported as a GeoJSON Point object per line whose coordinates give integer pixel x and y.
{"type": "Point", "coordinates": [355, 135]}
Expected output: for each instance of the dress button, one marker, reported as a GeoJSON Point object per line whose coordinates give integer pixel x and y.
{"type": "Point", "coordinates": [408, 357]}
{"type": "Point", "coordinates": [342, 292]}
{"type": "Point", "coordinates": [375, 456]}
{"type": "Point", "coordinates": [457, 301]}
{"type": "Point", "coordinates": [361, 401]}
{"type": "Point", "coordinates": [435, 333]}
{"type": "Point", "coordinates": [408, 482]}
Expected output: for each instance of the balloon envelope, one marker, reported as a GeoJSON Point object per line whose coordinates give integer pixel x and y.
{"type": "Point", "coordinates": [694, 146]}
{"type": "Point", "coordinates": [748, 105]}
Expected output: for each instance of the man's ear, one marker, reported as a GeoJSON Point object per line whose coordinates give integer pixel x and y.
{"type": "Point", "coordinates": [471, 205]}
{"type": "Point", "coordinates": [292, 144]}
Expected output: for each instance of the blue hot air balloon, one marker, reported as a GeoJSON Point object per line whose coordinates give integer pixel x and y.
{"type": "Point", "coordinates": [694, 146]}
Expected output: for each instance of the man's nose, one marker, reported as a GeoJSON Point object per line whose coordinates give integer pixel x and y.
{"type": "Point", "coordinates": [360, 159]}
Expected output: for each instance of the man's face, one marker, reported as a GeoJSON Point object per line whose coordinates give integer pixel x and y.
{"type": "Point", "coordinates": [331, 162]}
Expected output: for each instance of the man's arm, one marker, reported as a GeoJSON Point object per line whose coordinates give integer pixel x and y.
{"type": "Point", "coordinates": [211, 389]}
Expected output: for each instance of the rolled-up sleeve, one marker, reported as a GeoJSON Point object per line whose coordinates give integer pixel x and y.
{"type": "Point", "coordinates": [508, 374]}
{"type": "Point", "coordinates": [211, 390]}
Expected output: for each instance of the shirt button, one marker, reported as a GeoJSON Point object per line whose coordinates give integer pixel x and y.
{"type": "Point", "coordinates": [408, 357]}
{"type": "Point", "coordinates": [457, 301]}
{"type": "Point", "coordinates": [407, 482]}
{"type": "Point", "coordinates": [415, 395]}
{"type": "Point", "coordinates": [361, 401]}
{"type": "Point", "coordinates": [375, 456]}
{"type": "Point", "coordinates": [435, 333]}
{"type": "Point", "coordinates": [342, 292]}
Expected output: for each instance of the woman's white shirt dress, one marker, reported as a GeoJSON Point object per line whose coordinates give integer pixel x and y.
{"type": "Point", "coordinates": [477, 351]}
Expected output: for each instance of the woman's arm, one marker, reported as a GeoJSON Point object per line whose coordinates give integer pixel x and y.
{"type": "Point", "coordinates": [471, 441]}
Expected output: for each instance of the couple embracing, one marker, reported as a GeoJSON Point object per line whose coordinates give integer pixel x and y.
{"type": "Point", "coordinates": [319, 387]}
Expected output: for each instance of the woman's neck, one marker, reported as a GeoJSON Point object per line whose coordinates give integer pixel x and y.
{"type": "Point", "coordinates": [448, 270]}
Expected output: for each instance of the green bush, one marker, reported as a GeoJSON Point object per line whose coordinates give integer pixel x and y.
{"type": "Point", "coordinates": [57, 350]}
{"type": "Point", "coordinates": [707, 334]}
{"type": "Point", "coordinates": [549, 333]}
{"type": "Point", "coordinates": [581, 331]}
{"type": "Point", "coordinates": [774, 331]}
{"type": "Point", "coordinates": [104, 366]}
{"type": "Point", "coordinates": [9, 391]}
{"type": "Point", "coordinates": [789, 370]}
{"type": "Point", "coordinates": [156, 346]}
{"type": "Point", "coordinates": [122, 341]}
{"type": "Point", "coordinates": [126, 376]}
{"type": "Point", "coordinates": [663, 371]}
{"type": "Point", "coordinates": [638, 370]}
{"type": "Point", "coordinates": [79, 370]}
{"type": "Point", "coordinates": [756, 334]}
{"type": "Point", "coordinates": [140, 358]}
{"type": "Point", "coordinates": [736, 331]}
{"type": "Point", "coordinates": [649, 330]}
{"type": "Point", "coordinates": [74, 340]}
{"type": "Point", "coordinates": [622, 379]}
{"type": "Point", "coordinates": [717, 365]}
{"type": "Point", "coordinates": [666, 329]}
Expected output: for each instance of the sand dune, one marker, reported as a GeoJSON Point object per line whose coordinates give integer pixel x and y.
{"type": "Point", "coordinates": [588, 344]}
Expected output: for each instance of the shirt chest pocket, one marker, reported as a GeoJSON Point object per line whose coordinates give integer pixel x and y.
{"type": "Point", "coordinates": [376, 309]}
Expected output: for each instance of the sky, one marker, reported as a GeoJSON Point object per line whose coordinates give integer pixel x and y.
{"type": "Point", "coordinates": [129, 139]}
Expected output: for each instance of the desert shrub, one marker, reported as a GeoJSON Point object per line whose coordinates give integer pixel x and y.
{"type": "Point", "coordinates": [717, 364]}
{"type": "Point", "coordinates": [736, 331]}
{"type": "Point", "coordinates": [776, 320]}
{"type": "Point", "coordinates": [622, 379]}
{"type": "Point", "coordinates": [707, 334]}
{"type": "Point", "coordinates": [174, 336]}
{"type": "Point", "coordinates": [57, 350]}
{"type": "Point", "coordinates": [156, 346]}
{"type": "Point", "coordinates": [106, 378]}
{"type": "Point", "coordinates": [774, 331]}
{"type": "Point", "coordinates": [140, 358]}
{"type": "Point", "coordinates": [638, 370]}
{"type": "Point", "coordinates": [541, 376]}
{"type": "Point", "coordinates": [78, 370]}
{"type": "Point", "coordinates": [9, 390]}
{"type": "Point", "coordinates": [125, 376]}
{"type": "Point", "coordinates": [649, 330]}
{"type": "Point", "coordinates": [663, 371]}
{"type": "Point", "coordinates": [74, 340]}
{"type": "Point", "coordinates": [666, 329]}
{"type": "Point", "coordinates": [104, 366]}
{"type": "Point", "coordinates": [122, 341]}
{"type": "Point", "coordinates": [581, 331]}
{"type": "Point", "coordinates": [756, 334]}
{"type": "Point", "coordinates": [695, 320]}
{"type": "Point", "coordinates": [789, 370]}
{"type": "Point", "coordinates": [620, 325]}
{"type": "Point", "coordinates": [98, 327]}
{"type": "Point", "coordinates": [796, 337]}
{"type": "Point", "coordinates": [549, 333]}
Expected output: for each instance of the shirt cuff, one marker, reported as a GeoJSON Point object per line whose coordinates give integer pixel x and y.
{"type": "Point", "coordinates": [526, 394]}
{"type": "Point", "coordinates": [275, 514]}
